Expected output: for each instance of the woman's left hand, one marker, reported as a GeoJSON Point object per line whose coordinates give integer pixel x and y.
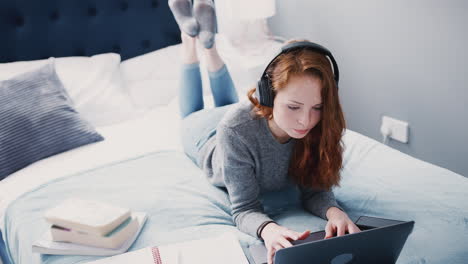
{"type": "Point", "coordinates": [339, 223]}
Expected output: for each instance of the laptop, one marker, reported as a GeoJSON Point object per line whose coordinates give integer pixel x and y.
{"type": "Point", "coordinates": [380, 241]}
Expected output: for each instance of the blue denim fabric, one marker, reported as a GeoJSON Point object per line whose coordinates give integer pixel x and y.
{"type": "Point", "coordinates": [190, 90]}
{"type": "Point", "coordinates": [222, 87]}
{"type": "Point", "coordinates": [198, 124]}
{"type": "Point", "coordinates": [198, 127]}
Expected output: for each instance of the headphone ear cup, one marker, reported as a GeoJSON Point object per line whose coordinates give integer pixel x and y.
{"type": "Point", "coordinates": [265, 92]}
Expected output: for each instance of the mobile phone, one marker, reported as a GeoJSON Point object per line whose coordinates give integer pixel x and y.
{"type": "Point", "coordinates": [369, 222]}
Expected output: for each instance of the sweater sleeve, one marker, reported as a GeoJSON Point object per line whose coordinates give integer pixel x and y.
{"type": "Point", "coordinates": [238, 172]}
{"type": "Point", "coordinates": [317, 202]}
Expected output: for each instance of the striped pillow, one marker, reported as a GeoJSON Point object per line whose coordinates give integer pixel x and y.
{"type": "Point", "coordinates": [37, 120]}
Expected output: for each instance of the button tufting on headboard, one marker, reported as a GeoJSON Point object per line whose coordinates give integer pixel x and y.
{"type": "Point", "coordinates": [92, 11]}
{"type": "Point", "coordinates": [54, 16]}
{"type": "Point", "coordinates": [19, 21]}
{"type": "Point", "coordinates": [124, 6]}
{"type": "Point", "coordinates": [154, 3]}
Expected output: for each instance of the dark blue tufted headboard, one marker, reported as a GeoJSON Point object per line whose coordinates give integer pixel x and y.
{"type": "Point", "coordinates": [38, 29]}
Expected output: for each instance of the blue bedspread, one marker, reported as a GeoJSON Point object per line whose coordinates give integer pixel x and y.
{"type": "Point", "coordinates": [182, 205]}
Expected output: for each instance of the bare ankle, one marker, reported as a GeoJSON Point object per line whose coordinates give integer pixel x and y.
{"type": "Point", "coordinates": [213, 61]}
{"type": "Point", "coordinates": [189, 49]}
{"type": "Point", "coordinates": [189, 57]}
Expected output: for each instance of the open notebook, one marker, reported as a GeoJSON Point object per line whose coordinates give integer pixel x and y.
{"type": "Point", "coordinates": [224, 248]}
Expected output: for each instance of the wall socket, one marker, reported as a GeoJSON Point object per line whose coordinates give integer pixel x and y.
{"type": "Point", "coordinates": [398, 130]}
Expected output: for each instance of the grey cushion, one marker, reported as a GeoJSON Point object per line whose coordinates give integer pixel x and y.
{"type": "Point", "coordinates": [37, 120]}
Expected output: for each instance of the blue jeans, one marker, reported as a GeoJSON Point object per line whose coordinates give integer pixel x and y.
{"type": "Point", "coordinates": [199, 124]}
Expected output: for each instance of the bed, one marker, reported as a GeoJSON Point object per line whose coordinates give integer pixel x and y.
{"type": "Point", "coordinates": [141, 164]}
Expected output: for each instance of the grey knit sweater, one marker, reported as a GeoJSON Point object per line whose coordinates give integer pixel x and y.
{"type": "Point", "coordinates": [245, 158]}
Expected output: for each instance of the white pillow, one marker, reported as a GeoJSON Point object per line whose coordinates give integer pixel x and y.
{"type": "Point", "coordinates": [94, 84]}
{"type": "Point", "coordinates": [159, 64]}
{"type": "Point", "coordinates": [152, 79]}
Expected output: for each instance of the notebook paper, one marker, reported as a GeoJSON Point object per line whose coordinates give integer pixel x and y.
{"type": "Point", "coordinates": [224, 248]}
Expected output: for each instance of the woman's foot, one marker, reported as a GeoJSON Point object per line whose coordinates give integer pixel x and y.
{"type": "Point", "coordinates": [189, 49]}
{"type": "Point", "coordinates": [182, 10]}
{"type": "Point", "coordinates": [204, 12]}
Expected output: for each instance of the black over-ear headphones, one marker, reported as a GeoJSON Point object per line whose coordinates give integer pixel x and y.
{"type": "Point", "coordinates": [265, 91]}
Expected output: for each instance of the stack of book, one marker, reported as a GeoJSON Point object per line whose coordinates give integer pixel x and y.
{"type": "Point", "coordinates": [84, 227]}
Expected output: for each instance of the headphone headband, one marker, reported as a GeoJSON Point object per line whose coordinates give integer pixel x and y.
{"type": "Point", "coordinates": [265, 91]}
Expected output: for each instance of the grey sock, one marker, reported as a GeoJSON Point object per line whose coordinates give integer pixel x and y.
{"type": "Point", "coordinates": [182, 10]}
{"type": "Point", "coordinates": [204, 12]}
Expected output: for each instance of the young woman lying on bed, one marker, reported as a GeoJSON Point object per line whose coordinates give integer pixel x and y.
{"type": "Point", "coordinates": [251, 147]}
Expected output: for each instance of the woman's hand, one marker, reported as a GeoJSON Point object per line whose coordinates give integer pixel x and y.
{"type": "Point", "coordinates": [339, 223]}
{"type": "Point", "coordinates": [277, 237]}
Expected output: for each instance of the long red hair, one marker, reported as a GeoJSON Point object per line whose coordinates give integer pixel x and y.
{"type": "Point", "coordinates": [317, 158]}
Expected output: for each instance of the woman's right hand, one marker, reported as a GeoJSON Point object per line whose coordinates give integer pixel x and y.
{"type": "Point", "coordinates": [277, 237]}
